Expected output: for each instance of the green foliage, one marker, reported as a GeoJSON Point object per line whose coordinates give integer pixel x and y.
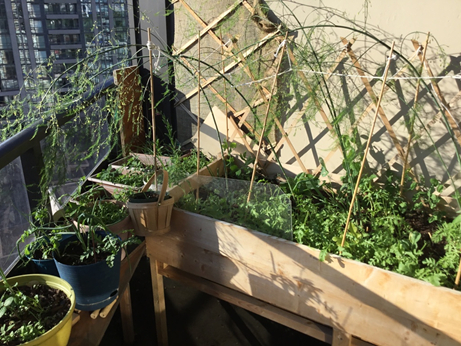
{"type": "Point", "coordinates": [385, 229]}
{"type": "Point", "coordinates": [267, 211]}
{"type": "Point", "coordinates": [122, 176]}
{"type": "Point", "coordinates": [27, 316]}
{"type": "Point", "coordinates": [101, 211]}
{"type": "Point", "coordinates": [94, 217]}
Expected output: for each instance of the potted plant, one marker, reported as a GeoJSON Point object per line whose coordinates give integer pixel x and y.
{"type": "Point", "coordinates": [90, 208]}
{"type": "Point", "coordinates": [35, 309]}
{"type": "Point", "coordinates": [90, 262]}
{"type": "Point", "coordinates": [39, 248]}
{"type": "Point", "coordinates": [151, 211]}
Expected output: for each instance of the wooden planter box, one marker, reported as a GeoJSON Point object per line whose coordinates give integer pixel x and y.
{"type": "Point", "coordinates": [147, 160]}
{"type": "Point", "coordinates": [113, 187]}
{"type": "Point", "coordinates": [340, 301]}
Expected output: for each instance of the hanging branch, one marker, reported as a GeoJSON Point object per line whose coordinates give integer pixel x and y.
{"type": "Point", "coordinates": [410, 137]}
{"type": "Point", "coordinates": [265, 119]}
{"type": "Point", "coordinates": [198, 115]}
{"type": "Point", "coordinates": [378, 105]}
{"type": "Point", "coordinates": [152, 102]}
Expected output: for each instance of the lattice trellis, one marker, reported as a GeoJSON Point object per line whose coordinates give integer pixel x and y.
{"type": "Point", "coordinates": [240, 127]}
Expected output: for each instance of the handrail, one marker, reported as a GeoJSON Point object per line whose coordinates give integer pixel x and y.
{"type": "Point", "coordinates": [18, 144]}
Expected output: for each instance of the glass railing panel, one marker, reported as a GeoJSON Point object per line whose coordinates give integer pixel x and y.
{"type": "Point", "coordinates": [14, 212]}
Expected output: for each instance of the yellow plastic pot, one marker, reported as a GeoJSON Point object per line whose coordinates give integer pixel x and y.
{"type": "Point", "coordinates": [60, 333]}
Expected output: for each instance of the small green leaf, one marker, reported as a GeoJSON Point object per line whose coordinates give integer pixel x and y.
{"type": "Point", "coordinates": [8, 301]}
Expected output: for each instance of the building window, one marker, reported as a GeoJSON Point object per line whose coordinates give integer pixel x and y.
{"type": "Point", "coordinates": [40, 56]}
{"type": "Point", "coordinates": [34, 10]}
{"type": "Point", "coordinates": [39, 41]}
{"type": "Point", "coordinates": [64, 39]}
{"type": "Point", "coordinates": [6, 57]}
{"type": "Point", "coordinates": [10, 84]}
{"type": "Point", "coordinates": [5, 42]}
{"type": "Point", "coordinates": [54, 8]}
{"type": "Point", "coordinates": [36, 26]}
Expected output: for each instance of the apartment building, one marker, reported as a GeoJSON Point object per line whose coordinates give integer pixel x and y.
{"type": "Point", "coordinates": [32, 31]}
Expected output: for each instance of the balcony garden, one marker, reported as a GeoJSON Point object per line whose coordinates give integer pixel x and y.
{"type": "Point", "coordinates": [314, 171]}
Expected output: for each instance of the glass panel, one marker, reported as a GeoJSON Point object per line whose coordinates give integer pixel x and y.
{"type": "Point", "coordinates": [5, 41]}
{"type": "Point", "coordinates": [39, 41]}
{"type": "Point", "coordinates": [36, 26]}
{"type": "Point", "coordinates": [14, 212]}
{"type": "Point", "coordinates": [78, 140]}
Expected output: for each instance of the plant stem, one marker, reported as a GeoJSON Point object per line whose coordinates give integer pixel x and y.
{"type": "Point", "coordinates": [152, 104]}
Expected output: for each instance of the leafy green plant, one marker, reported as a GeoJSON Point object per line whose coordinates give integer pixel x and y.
{"type": "Point", "coordinates": [28, 312]}
{"type": "Point", "coordinates": [103, 211]}
{"type": "Point", "coordinates": [96, 242]}
{"type": "Point", "coordinates": [267, 211]}
{"type": "Point", "coordinates": [386, 230]}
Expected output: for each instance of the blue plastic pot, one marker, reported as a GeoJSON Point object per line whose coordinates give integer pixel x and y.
{"type": "Point", "coordinates": [95, 285]}
{"type": "Point", "coordinates": [48, 266]}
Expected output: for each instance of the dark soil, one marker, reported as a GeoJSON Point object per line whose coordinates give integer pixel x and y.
{"type": "Point", "coordinates": [54, 302]}
{"type": "Point", "coordinates": [72, 254]}
{"type": "Point", "coordinates": [420, 222]}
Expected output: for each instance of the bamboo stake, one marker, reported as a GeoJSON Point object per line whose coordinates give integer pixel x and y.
{"type": "Point", "coordinates": [410, 137]}
{"type": "Point", "coordinates": [370, 91]}
{"type": "Point", "coordinates": [458, 275]}
{"type": "Point", "coordinates": [364, 114]}
{"type": "Point", "coordinates": [446, 107]}
{"type": "Point", "coordinates": [152, 102]}
{"type": "Point", "coordinates": [224, 81]}
{"type": "Point", "coordinates": [265, 119]}
{"type": "Point", "coordinates": [378, 105]}
{"type": "Point", "coordinates": [75, 318]}
{"type": "Point", "coordinates": [198, 115]}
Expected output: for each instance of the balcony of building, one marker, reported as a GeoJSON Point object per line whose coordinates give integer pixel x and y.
{"type": "Point", "coordinates": [315, 106]}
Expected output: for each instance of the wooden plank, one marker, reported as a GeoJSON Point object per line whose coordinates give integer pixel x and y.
{"type": "Point", "coordinates": [372, 304]}
{"type": "Point", "coordinates": [341, 338]}
{"type": "Point", "coordinates": [158, 291]}
{"type": "Point", "coordinates": [249, 303]}
{"type": "Point", "coordinates": [90, 331]}
{"type": "Point", "coordinates": [126, 313]}
{"type": "Point", "coordinates": [209, 26]}
{"type": "Point", "coordinates": [132, 132]}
